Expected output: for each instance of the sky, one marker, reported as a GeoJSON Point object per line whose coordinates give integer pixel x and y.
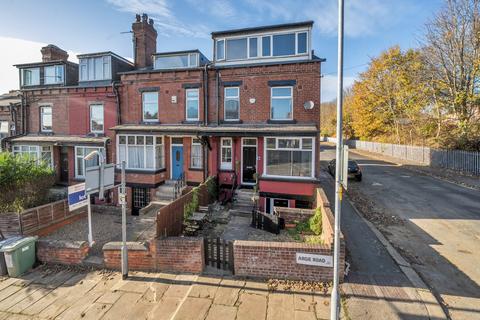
{"type": "Point", "coordinates": [86, 26]}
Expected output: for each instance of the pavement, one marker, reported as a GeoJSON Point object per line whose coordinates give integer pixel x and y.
{"type": "Point", "coordinates": [72, 294]}
{"type": "Point", "coordinates": [435, 224]}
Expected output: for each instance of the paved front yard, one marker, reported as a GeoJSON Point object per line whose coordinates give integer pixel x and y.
{"type": "Point", "coordinates": [66, 294]}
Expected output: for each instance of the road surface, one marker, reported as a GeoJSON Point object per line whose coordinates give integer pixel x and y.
{"type": "Point", "coordinates": [439, 229]}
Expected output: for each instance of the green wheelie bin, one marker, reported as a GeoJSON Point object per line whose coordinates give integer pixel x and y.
{"type": "Point", "coordinates": [19, 255]}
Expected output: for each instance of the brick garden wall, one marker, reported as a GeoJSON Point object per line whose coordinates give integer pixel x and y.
{"type": "Point", "coordinates": [61, 251]}
{"type": "Point", "coordinates": [175, 254]}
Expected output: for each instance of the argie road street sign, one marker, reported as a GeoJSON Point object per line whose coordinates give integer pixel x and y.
{"type": "Point", "coordinates": [77, 197]}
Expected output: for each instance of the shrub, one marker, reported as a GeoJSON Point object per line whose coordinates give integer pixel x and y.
{"type": "Point", "coordinates": [315, 222]}
{"type": "Point", "coordinates": [191, 206]}
{"type": "Point", "coordinates": [24, 183]}
{"type": "Point", "coordinates": [212, 188]}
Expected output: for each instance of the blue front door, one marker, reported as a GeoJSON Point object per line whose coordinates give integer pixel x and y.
{"type": "Point", "coordinates": [177, 161]}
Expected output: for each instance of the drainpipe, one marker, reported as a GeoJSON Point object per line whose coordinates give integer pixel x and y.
{"type": "Point", "coordinates": [217, 76]}
{"type": "Point", "coordinates": [117, 99]}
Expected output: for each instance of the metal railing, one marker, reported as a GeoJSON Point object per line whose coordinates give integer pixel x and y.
{"type": "Point", "coordinates": [458, 160]}
{"type": "Point", "coordinates": [180, 183]}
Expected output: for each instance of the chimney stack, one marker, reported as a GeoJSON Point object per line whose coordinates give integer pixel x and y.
{"type": "Point", "coordinates": [144, 41]}
{"type": "Point", "coordinates": [53, 53]}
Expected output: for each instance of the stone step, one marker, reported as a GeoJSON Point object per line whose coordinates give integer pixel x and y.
{"type": "Point", "coordinates": [240, 212]}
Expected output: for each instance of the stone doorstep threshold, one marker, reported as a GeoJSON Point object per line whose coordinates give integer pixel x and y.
{"type": "Point", "coordinates": [429, 299]}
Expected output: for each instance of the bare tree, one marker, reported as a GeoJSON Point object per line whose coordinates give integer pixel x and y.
{"type": "Point", "coordinates": [452, 53]}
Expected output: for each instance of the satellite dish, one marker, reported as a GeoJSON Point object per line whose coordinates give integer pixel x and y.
{"type": "Point", "coordinates": [308, 105]}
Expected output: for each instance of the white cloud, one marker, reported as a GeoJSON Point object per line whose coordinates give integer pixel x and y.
{"type": "Point", "coordinates": [166, 22]}
{"type": "Point", "coordinates": [329, 86]}
{"type": "Point", "coordinates": [19, 51]}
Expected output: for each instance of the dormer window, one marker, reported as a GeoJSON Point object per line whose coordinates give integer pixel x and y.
{"type": "Point", "coordinates": [177, 61]}
{"type": "Point", "coordinates": [31, 77]}
{"type": "Point", "coordinates": [53, 74]}
{"type": "Point", "coordinates": [95, 68]}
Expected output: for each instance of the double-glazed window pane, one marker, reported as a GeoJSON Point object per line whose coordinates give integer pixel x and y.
{"type": "Point", "coordinates": [266, 48]}
{"type": "Point", "coordinates": [253, 49]}
{"type": "Point", "coordinates": [150, 106]}
{"type": "Point", "coordinates": [192, 104]}
{"type": "Point", "coordinates": [96, 118]}
{"type": "Point", "coordinates": [53, 74]}
{"type": "Point", "coordinates": [237, 49]}
{"type": "Point", "coordinates": [81, 164]}
{"type": "Point", "coordinates": [226, 155]}
{"type": "Point", "coordinates": [196, 158]}
{"type": "Point", "coordinates": [141, 152]}
{"type": "Point", "coordinates": [220, 54]}
{"type": "Point", "coordinates": [31, 77]}
{"type": "Point", "coordinates": [232, 103]}
{"type": "Point", "coordinates": [289, 157]}
{"type": "Point", "coordinates": [284, 44]}
{"type": "Point", "coordinates": [177, 61]}
{"type": "Point", "coordinates": [46, 118]}
{"type": "Point", "coordinates": [281, 103]}
{"type": "Point", "coordinates": [302, 42]}
{"type": "Point", "coordinates": [95, 68]}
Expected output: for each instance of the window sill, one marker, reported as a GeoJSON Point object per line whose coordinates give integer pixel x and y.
{"type": "Point", "coordinates": [286, 121]}
{"type": "Point", "coordinates": [192, 122]}
{"type": "Point", "coordinates": [231, 121]}
{"type": "Point", "coordinates": [141, 171]}
{"type": "Point", "coordinates": [289, 179]}
{"type": "Point", "coordinates": [227, 170]}
{"type": "Point", "coordinates": [195, 169]}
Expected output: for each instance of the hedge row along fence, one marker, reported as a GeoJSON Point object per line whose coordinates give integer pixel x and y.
{"type": "Point", "coordinates": [170, 217]}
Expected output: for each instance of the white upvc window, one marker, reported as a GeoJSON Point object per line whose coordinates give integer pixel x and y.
{"type": "Point", "coordinates": [150, 106]}
{"type": "Point", "coordinates": [281, 103]}
{"type": "Point", "coordinates": [53, 74]}
{"type": "Point", "coordinates": [37, 153]}
{"type": "Point", "coordinates": [30, 77]}
{"type": "Point", "coordinates": [46, 118]}
{"type": "Point", "coordinates": [232, 104]}
{"type": "Point", "coordinates": [96, 118]}
{"type": "Point", "coordinates": [81, 164]}
{"type": "Point", "coordinates": [226, 162]}
{"type": "Point", "coordinates": [95, 68]}
{"type": "Point", "coordinates": [141, 152]}
{"type": "Point", "coordinates": [196, 154]}
{"type": "Point", "coordinates": [192, 104]}
{"type": "Point", "coordinates": [290, 157]}
{"type": "Point", "coordinates": [220, 49]}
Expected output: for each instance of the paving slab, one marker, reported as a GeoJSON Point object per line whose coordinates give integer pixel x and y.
{"type": "Point", "coordinates": [165, 308]}
{"type": "Point", "coordinates": [251, 306]}
{"type": "Point", "coordinates": [79, 306]}
{"type": "Point", "coordinates": [227, 293]}
{"type": "Point", "coordinates": [304, 315]}
{"type": "Point", "coordinates": [280, 306]}
{"type": "Point", "coordinates": [95, 311]}
{"type": "Point", "coordinates": [205, 287]}
{"type": "Point", "coordinates": [221, 312]}
{"type": "Point", "coordinates": [193, 309]}
{"type": "Point", "coordinates": [110, 297]}
{"type": "Point", "coordinates": [303, 301]}
{"type": "Point", "coordinates": [322, 306]}
{"type": "Point", "coordinates": [122, 308]}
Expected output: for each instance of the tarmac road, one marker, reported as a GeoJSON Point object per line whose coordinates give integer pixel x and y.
{"type": "Point", "coordinates": [440, 235]}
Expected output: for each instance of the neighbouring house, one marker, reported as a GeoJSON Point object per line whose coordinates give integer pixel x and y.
{"type": "Point", "coordinates": [12, 115]}
{"type": "Point", "coordinates": [249, 115]}
{"type": "Point", "coordinates": [70, 108]}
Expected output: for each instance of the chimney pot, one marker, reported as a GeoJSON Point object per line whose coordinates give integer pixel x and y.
{"type": "Point", "coordinates": [137, 17]}
{"type": "Point", "coordinates": [150, 21]}
{"type": "Point", "coordinates": [144, 17]}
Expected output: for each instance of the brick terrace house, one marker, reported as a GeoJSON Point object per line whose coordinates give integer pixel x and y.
{"type": "Point", "coordinates": [12, 113]}
{"type": "Point", "coordinates": [70, 108]}
{"type": "Point", "coordinates": [251, 112]}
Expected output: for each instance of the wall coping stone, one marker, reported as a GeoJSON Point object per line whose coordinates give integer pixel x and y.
{"type": "Point", "coordinates": [131, 245]}
{"type": "Point", "coordinates": [64, 244]}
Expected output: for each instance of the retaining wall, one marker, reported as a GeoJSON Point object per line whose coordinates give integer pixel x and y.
{"type": "Point", "coordinates": [61, 251]}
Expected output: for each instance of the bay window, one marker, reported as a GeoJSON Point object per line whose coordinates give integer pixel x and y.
{"type": "Point", "coordinates": [281, 103]}
{"type": "Point", "coordinates": [289, 157]}
{"type": "Point", "coordinates": [192, 104]}
{"type": "Point", "coordinates": [232, 103]}
{"type": "Point", "coordinates": [37, 153]}
{"type": "Point", "coordinates": [196, 154]}
{"type": "Point", "coordinates": [150, 106]}
{"type": "Point", "coordinates": [142, 152]}
{"type": "Point", "coordinates": [226, 154]}
{"type": "Point", "coordinates": [81, 164]}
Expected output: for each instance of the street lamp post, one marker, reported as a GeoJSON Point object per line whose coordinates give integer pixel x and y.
{"type": "Point", "coordinates": [335, 306]}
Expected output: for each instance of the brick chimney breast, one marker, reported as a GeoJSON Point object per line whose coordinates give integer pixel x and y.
{"type": "Point", "coordinates": [52, 53]}
{"type": "Point", "coordinates": [144, 41]}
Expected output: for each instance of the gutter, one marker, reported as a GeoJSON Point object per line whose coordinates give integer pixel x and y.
{"type": "Point", "coordinates": [117, 98]}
